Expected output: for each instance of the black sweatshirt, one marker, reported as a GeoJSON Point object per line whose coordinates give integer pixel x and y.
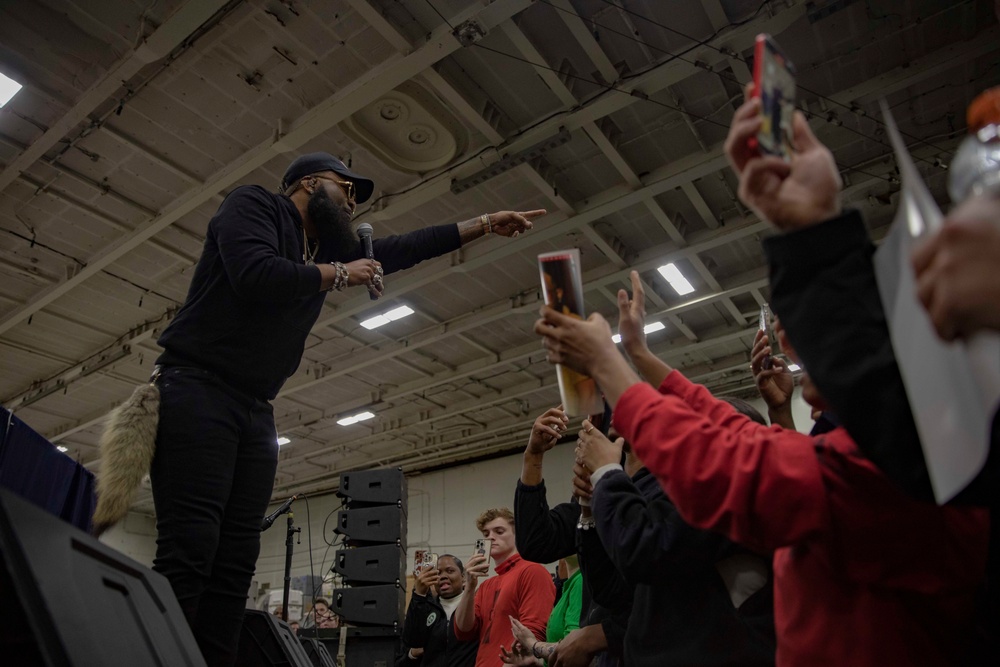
{"type": "Point", "coordinates": [252, 300]}
{"type": "Point", "coordinates": [682, 613]}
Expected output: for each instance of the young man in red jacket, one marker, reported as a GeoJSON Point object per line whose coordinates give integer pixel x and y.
{"type": "Point", "coordinates": [521, 590]}
{"type": "Point", "coordinates": [863, 574]}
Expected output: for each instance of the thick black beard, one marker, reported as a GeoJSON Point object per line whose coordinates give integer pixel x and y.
{"type": "Point", "coordinates": [333, 224]}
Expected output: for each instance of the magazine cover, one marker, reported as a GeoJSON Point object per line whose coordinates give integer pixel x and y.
{"type": "Point", "coordinates": [562, 286]}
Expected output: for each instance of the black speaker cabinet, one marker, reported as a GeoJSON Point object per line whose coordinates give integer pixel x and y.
{"type": "Point", "coordinates": [379, 564]}
{"type": "Point", "coordinates": [372, 525]}
{"type": "Point", "coordinates": [267, 641]}
{"type": "Point", "coordinates": [317, 653]}
{"type": "Point", "coordinates": [372, 647]}
{"type": "Point", "coordinates": [370, 605]}
{"type": "Point", "coordinates": [386, 486]}
{"type": "Point", "coordinates": [70, 600]}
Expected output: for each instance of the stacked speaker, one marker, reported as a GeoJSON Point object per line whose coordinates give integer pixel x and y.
{"type": "Point", "coordinates": [373, 527]}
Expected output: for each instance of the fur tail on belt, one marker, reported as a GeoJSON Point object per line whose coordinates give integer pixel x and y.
{"type": "Point", "coordinates": [127, 447]}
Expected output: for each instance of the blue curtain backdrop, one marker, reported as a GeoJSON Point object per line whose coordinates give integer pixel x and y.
{"type": "Point", "coordinates": [32, 467]}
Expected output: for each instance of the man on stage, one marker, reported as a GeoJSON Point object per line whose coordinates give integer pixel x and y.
{"type": "Point", "coordinates": [268, 261]}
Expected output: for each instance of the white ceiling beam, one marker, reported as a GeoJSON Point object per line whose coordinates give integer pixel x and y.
{"type": "Point", "coordinates": [165, 39]}
{"type": "Point", "coordinates": [586, 39]}
{"type": "Point", "coordinates": [700, 205]}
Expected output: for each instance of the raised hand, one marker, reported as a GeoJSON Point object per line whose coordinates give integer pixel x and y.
{"type": "Point", "coordinates": [632, 316]}
{"type": "Point", "coordinates": [776, 383]}
{"type": "Point", "coordinates": [802, 192]}
{"type": "Point", "coordinates": [547, 430]}
{"type": "Point", "coordinates": [594, 450]}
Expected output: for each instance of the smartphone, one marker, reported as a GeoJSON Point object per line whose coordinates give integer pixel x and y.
{"type": "Point", "coordinates": [484, 546]}
{"type": "Point", "coordinates": [774, 85]}
{"type": "Point", "coordinates": [418, 560]}
{"type": "Point", "coordinates": [765, 326]}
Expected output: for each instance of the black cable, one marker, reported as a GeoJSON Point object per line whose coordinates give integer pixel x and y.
{"type": "Point", "coordinates": [646, 98]}
{"type": "Point", "coordinates": [741, 59]}
{"type": "Point", "coordinates": [436, 11]}
{"type": "Point", "coordinates": [35, 242]}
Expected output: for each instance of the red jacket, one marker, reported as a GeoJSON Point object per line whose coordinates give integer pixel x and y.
{"type": "Point", "coordinates": [521, 589]}
{"type": "Point", "coordinates": [863, 575]}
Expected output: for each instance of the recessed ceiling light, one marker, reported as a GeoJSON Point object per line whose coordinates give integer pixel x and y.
{"type": "Point", "coordinates": [386, 317]}
{"type": "Point", "coordinates": [282, 440]}
{"type": "Point", "coordinates": [353, 419]}
{"type": "Point", "coordinates": [676, 279]}
{"type": "Point", "coordinates": [8, 89]}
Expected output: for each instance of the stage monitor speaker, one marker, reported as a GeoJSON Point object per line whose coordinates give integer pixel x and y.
{"type": "Point", "coordinates": [70, 600]}
{"type": "Point", "coordinates": [372, 525]}
{"type": "Point", "coordinates": [267, 641]}
{"type": "Point", "coordinates": [370, 605]}
{"type": "Point", "coordinates": [385, 486]}
{"type": "Point", "coordinates": [317, 653]}
{"type": "Point", "coordinates": [372, 647]}
{"type": "Point", "coordinates": [379, 564]}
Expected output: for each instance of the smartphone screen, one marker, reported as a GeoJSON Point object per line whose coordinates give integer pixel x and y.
{"type": "Point", "coordinates": [774, 84]}
{"type": "Point", "coordinates": [765, 326]}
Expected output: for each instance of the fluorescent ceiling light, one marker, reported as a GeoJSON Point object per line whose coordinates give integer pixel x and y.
{"type": "Point", "coordinates": [353, 419]}
{"type": "Point", "coordinates": [648, 329]}
{"type": "Point", "coordinates": [8, 89]}
{"type": "Point", "coordinates": [60, 447]}
{"type": "Point", "coordinates": [673, 276]}
{"type": "Point", "coordinates": [385, 318]}
{"type": "Point", "coordinates": [794, 367]}
{"type": "Point", "coordinates": [283, 441]}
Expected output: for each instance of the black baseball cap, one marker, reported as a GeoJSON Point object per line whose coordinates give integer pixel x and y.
{"type": "Point", "coordinates": [313, 163]}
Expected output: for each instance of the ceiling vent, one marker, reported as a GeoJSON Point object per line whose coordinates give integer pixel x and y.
{"type": "Point", "coordinates": [409, 129]}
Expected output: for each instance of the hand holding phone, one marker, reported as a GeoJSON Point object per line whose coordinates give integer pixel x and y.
{"type": "Point", "coordinates": [484, 546]}
{"type": "Point", "coordinates": [765, 326]}
{"type": "Point", "coordinates": [774, 85]}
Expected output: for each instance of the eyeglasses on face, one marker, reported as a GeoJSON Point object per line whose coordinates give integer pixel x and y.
{"type": "Point", "coordinates": [347, 186]}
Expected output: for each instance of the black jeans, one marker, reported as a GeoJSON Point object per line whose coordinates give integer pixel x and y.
{"type": "Point", "coordinates": [212, 476]}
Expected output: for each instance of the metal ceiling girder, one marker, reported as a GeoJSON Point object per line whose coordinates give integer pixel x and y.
{"type": "Point", "coordinates": [361, 92]}
{"type": "Point", "coordinates": [431, 415]}
{"type": "Point", "coordinates": [920, 69]}
{"type": "Point", "coordinates": [165, 39]}
{"type": "Point", "coordinates": [656, 79]}
{"type": "Point", "coordinates": [517, 424]}
{"type": "Point", "coordinates": [501, 309]}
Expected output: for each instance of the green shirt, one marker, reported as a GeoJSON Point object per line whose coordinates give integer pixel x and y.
{"type": "Point", "coordinates": [565, 615]}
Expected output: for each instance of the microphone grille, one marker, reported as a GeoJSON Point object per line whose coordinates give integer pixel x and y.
{"type": "Point", "coordinates": [364, 229]}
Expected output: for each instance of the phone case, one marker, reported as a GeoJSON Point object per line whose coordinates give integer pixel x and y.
{"type": "Point", "coordinates": [774, 84]}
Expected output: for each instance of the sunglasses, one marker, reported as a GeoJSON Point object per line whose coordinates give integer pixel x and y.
{"type": "Point", "coordinates": [347, 186]}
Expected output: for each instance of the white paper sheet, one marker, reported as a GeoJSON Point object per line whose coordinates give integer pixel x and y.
{"type": "Point", "coordinates": [953, 389]}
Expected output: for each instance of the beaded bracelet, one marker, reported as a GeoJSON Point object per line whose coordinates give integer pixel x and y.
{"type": "Point", "coordinates": [484, 220]}
{"type": "Point", "coordinates": [340, 280]}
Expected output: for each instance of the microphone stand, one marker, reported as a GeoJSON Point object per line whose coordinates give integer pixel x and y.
{"type": "Point", "coordinates": [292, 529]}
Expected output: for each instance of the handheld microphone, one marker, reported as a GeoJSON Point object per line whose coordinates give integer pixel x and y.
{"type": "Point", "coordinates": [365, 234]}
{"type": "Point", "coordinates": [270, 518]}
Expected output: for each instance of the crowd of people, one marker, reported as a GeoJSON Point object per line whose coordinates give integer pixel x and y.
{"type": "Point", "coordinates": [698, 533]}
{"type": "Point", "coordinates": [705, 535]}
